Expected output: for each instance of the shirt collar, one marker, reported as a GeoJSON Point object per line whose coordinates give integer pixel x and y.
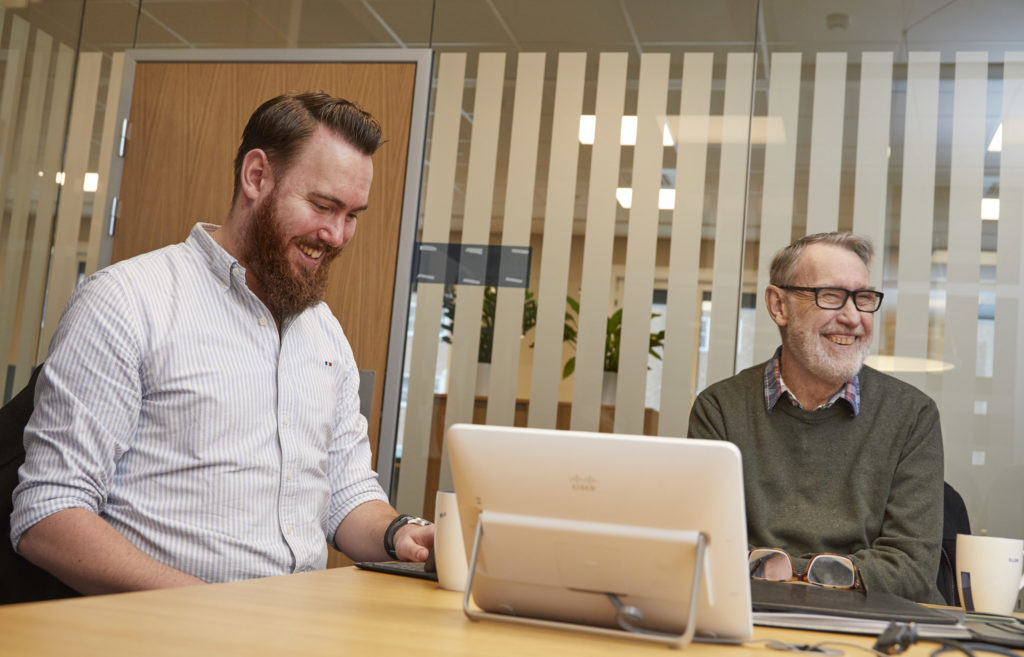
{"type": "Point", "coordinates": [775, 388]}
{"type": "Point", "coordinates": [222, 264]}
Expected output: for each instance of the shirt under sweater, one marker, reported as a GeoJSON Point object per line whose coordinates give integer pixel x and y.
{"type": "Point", "coordinates": [868, 486]}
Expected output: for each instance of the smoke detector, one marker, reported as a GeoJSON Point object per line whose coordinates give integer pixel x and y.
{"type": "Point", "coordinates": [837, 21]}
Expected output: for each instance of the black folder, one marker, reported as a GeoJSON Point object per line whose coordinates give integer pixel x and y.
{"type": "Point", "coordinates": [803, 598]}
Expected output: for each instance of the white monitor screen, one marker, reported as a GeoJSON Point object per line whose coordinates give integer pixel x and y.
{"type": "Point", "coordinates": [572, 516]}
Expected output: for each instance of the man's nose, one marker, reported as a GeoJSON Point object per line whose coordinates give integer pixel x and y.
{"type": "Point", "coordinates": [332, 232]}
{"type": "Point", "coordinates": [849, 312]}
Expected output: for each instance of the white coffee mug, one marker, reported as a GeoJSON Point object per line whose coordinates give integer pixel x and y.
{"type": "Point", "coordinates": [989, 572]}
{"type": "Point", "coordinates": [449, 550]}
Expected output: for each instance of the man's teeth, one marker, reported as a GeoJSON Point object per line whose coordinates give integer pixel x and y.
{"type": "Point", "coordinates": [840, 339]}
{"type": "Point", "coordinates": [312, 253]}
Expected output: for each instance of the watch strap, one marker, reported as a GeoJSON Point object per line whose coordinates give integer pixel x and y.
{"type": "Point", "coordinates": [401, 520]}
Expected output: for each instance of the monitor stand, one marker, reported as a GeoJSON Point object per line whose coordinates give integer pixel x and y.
{"type": "Point", "coordinates": [695, 539]}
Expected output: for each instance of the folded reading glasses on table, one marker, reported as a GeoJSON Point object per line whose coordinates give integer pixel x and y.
{"type": "Point", "coordinates": [828, 570]}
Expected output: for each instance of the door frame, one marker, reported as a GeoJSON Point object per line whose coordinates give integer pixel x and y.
{"type": "Point", "coordinates": [423, 59]}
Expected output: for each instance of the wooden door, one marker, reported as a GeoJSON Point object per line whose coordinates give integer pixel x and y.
{"type": "Point", "coordinates": [186, 121]}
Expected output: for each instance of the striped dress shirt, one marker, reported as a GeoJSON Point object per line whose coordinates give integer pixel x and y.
{"type": "Point", "coordinates": [172, 406]}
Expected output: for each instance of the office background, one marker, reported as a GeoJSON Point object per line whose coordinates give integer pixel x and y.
{"type": "Point", "coordinates": [651, 154]}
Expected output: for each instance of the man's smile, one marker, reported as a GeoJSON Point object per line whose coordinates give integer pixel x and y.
{"type": "Point", "coordinates": [309, 251]}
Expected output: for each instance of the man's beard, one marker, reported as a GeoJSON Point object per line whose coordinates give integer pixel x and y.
{"type": "Point", "coordinates": [806, 346]}
{"type": "Point", "coordinates": [284, 291]}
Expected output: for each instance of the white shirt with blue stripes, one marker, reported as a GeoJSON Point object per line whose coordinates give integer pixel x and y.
{"type": "Point", "coordinates": [171, 406]}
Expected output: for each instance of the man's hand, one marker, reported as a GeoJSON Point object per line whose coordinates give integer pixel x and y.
{"type": "Point", "coordinates": [361, 535]}
{"type": "Point", "coordinates": [414, 542]}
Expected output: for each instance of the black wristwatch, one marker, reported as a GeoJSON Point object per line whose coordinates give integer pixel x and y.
{"type": "Point", "coordinates": [400, 521]}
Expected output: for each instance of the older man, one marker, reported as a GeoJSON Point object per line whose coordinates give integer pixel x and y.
{"type": "Point", "coordinates": [838, 458]}
{"type": "Point", "coordinates": [197, 419]}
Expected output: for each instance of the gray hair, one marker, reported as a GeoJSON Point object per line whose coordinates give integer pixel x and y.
{"type": "Point", "coordinates": [783, 269]}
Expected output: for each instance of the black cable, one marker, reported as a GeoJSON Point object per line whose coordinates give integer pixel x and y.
{"type": "Point", "coordinates": [626, 615]}
{"type": "Point", "coordinates": [896, 638]}
{"type": "Point", "coordinates": [819, 648]}
{"type": "Point", "coordinates": [948, 644]}
{"type": "Point", "coordinates": [845, 644]}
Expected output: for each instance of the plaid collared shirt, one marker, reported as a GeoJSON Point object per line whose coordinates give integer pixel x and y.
{"type": "Point", "coordinates": [775, 387]}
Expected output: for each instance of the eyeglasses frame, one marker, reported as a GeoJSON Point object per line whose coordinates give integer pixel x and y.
{"type": "Point", "coordinates": [802, 577]}
{"type": "Point", "coordinates": [849, 293]}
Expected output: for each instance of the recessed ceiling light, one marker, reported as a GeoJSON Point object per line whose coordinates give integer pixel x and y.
{"type": "Point", "coordinates": [990, 209]}
{"type": "Point", "coordinates": [627, 133]}
{"type": "Point", "coordinates": [698, 129]}
{"type": "Point", "coordinates": [666, 198]}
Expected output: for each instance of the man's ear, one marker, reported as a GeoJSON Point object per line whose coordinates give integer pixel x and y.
{"type": "Point", "coordinates": [776, 305]}
{"type": "Point", "coordinates": [257, 176]}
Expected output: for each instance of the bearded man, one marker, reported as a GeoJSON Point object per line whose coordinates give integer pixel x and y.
{"type": "Point", "coordinates": [838, 458]}
{"type": "Point", "coordinates": [197, 419]}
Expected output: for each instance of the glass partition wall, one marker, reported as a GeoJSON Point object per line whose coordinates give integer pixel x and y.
{"type": "Point", "coordinates": [605, 182]}
{"type": "Point", "coordinates": [660, 173]}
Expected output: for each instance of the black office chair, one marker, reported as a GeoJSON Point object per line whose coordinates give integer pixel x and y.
{"type": "Point", "coordinates": [21, 581]}
{"type": "Point", "coordinates": [954, 521]}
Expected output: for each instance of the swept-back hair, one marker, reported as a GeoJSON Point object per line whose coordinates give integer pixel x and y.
{"type": "Point", "coordinates": [281, 126]}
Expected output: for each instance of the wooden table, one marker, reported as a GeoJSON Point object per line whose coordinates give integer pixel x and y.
{"type": "Point", "coordinates": [336, 612]}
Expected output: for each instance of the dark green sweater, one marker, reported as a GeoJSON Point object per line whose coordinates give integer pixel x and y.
{"type": "Point", "coordinates": [868, 486]}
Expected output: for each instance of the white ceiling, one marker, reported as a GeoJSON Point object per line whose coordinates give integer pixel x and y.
{"type": "Point", "coordinates": [547, 25]}
{"type": "Point", "coordinates": [636, 26]}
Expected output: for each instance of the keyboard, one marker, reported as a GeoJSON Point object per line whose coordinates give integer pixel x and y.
{"type": "Point", "coordinates": [407, 568]}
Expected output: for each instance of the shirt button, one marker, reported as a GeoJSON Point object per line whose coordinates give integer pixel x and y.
{"type": "Point", "coordinates": [291, 475]}
{"type": "Point", "coordinates": [285, 421]}
{"type": "Point", "coordinates": [263, 321]}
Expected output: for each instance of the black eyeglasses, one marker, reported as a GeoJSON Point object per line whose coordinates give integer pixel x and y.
{"type": "Point", "coordinates": [834, 298]}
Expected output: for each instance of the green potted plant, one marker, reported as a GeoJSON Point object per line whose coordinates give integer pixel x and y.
{"type": "Point", "coordinates": [612, 340]}
{"type": "Point", "coordinates": [487, 313]}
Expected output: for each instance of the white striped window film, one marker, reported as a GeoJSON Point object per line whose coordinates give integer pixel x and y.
{"type": "Point", "coordinates": [641, 242]}
{"type": "Point", "coordinates": [728, 226]}
{"type": "Point", "coordinates": [1007, 425]}
{"type": "Point", "coordinates": [826, 142]}
{"type": "Point", "coordinates": [779, 175]}
{"type": "Point", "coordinates": [557, 222]}
{"type": "Point", "coordinates": [599, 241]}
{"type": "Point", "coordinates": [65, 257]}
{"type": "Point", "coordinates": [960, 384]}
{"type": "Point", "coordinates": [516, 227]}
{"type": "Point", "coordinates": [917, 209]}
{"type": "Point", "coordinates": [914, 126]}
{"type": "Point", "coordinates": [416, 443]}
{"type": "Point", "coordinates": [838, 117]}
{"type": "Point", "coordinates": [872, 164]}
{"type": "Point", "coordinates": [476, 230]}
{"type": "Point", "coordinates": [38, 73]}
{"type": "Point", "coordinates": [682, 312]}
